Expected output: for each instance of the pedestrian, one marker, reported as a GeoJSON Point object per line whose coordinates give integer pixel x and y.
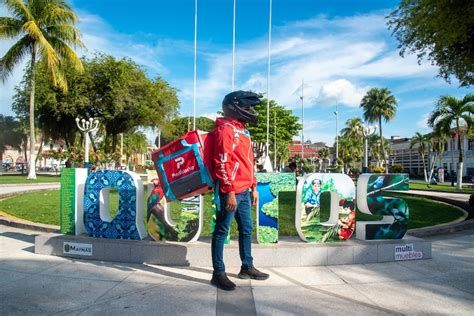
{"type": "Point", "coordinates": [292, 167]}
{"type": "Point", "coordinates": [235, 188]}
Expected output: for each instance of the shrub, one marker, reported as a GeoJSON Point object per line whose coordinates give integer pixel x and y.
{"type": "Point", "coordinates": [376, 169]}
{"type": "Point", "coordinates": [397, 168]}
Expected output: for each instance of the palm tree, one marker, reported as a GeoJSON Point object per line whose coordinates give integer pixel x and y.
{"type": "Point", "coordinates": [323, 155]}
{"type": "Point", "coordinates": [134, 144]}
{"type": "Point", "coordinates": [423, 143]}
{"type": "Point", "coordinates": [353, 128]}
{"type": "Point", "coordinates": [44, 30]}
{"type": "Point", "coordinates": [350, 151]}
{"type": "Point", "coordinates": [451, 111]}
{"type": "Point", "coordinates": [379, 104]}
{"type": "Point", "coordinates": [437, 144]}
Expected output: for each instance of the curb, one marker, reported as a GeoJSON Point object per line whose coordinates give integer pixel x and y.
{"type": "Point", "coordinates": [438, 230]}
{"type": "Point", "coordinates": [18, 223]}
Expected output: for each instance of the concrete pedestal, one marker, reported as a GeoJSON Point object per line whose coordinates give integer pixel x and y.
{"type": "Point", "coordinates": [289, 252]}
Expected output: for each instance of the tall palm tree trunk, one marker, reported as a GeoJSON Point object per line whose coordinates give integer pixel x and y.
{"type": "Point", "coordinates": [382, 144]}
{"type": "Point", "coordinates": [424, 169]}
{"type": "Point", "coordinates": [461, 159]}
{"type": "Point", "coordinates": [32, 161]}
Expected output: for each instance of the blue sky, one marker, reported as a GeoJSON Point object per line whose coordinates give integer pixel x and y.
{"type": "Point", "coordinates": [340, 48]}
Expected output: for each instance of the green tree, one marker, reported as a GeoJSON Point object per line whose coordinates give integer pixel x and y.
{"type": "Point", "coordinates": [449, 112]}
{"type": "Point", "coordinates": [134, 143]}
{"type": "Point", "coordinates": [46, 31]}
{"type": "Point", "coordinates": [379, 104]}
{"type": "Point", "coordinates": [182, 125]}
{"type": "Point", "coordinates": [117, 92]}
{"type": "Point", "coordinates": [350, 151]}
{"type": "Point", "coordinates": [375, 149]}
{"type": "Point", "coordinates": [441, 31]}
{"type": "Point", "coordinates": [353, 128]}
{"type": "Point", "coordinates": [286, 128]}
{"type": "Point", "coordinates": [323, 155]}
{"type": "Point", "coordinates": [354, 141]}
{"type": "Point", "coordinates": [11, 134]}
{"type": "Point", "coordinates": [123, 98]}
{"type": "Point", "coordinates": [423, 147]}
{"type": "Point", "coordinates": [437, 143]}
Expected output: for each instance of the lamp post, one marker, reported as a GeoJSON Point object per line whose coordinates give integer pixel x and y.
{"type": "Point", "coordinates": [86, 126]}
{"type": "Point", "coordinates": [366, 132]}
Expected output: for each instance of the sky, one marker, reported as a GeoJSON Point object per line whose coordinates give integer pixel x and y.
{"type": "Point", "coordinates": [339, 49]}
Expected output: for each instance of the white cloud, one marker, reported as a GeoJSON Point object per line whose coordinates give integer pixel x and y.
{"type": "Point", "coordinates": [98, 36]}
{"type": "Point", "coordinates": [340, 91]}
{"type": "Point", "coordinates": [423, 121]}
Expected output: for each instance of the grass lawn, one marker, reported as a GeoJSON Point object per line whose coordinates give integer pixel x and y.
{"type": "Point", "coordinates": [43, 207]}
{"type": "Point", "coordinates": [14, 179]}
{"type": "Point", "coordinates": [440, 187]}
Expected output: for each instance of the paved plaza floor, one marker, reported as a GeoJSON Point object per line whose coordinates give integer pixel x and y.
{"type": "Point", "coordinates": [32, 284]}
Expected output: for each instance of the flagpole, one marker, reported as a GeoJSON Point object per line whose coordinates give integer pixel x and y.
{"type": "Point", "coordinates": [233, 48]}
{"type": "Point", "coordinates": [195, 49]}
{"type": "Point", "coordinates": [268, 76]}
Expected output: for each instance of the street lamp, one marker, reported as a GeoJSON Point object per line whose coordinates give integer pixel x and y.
{"type": "Point", "coordinates": [366, 132]}
{"type": "Point", "coordinates": [86, 126]}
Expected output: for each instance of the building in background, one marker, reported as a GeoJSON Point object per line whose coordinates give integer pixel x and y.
{"type": "Point", "coordinates": [411, 161]}
{"type": "Point", "coordinates": [408, 157]}
{"type": "Point", "coordinates": [308, 150]}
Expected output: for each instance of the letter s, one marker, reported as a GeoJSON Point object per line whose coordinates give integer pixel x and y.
{"type": "Point", "coordinates": [370, 200]}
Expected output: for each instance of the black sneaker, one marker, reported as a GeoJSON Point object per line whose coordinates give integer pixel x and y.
{"type": "Point", "coordinates": [222, 282]}
{"type": "Point", "coordinates": [252, 273]}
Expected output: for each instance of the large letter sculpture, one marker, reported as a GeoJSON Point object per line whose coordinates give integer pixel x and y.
{"type": "Point", "coordinates": [162, 227]}
{"type": "Point", "coordinates": [71, 200]}
{"type": "Point", "coordinates": [308, 218]}
{"type": "Point", "coordinates": [370, 201]}
{"type": "Point", "coordinates": [269, 185]}
{"type": "Point", "coordinates": [128, 222]}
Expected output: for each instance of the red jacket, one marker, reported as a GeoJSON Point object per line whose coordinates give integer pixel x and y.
{"type": "Point", "coordinates": [232, 159]}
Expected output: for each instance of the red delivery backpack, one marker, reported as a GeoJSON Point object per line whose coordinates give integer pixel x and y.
{"type": "Point", "coordinates": [183, 165]}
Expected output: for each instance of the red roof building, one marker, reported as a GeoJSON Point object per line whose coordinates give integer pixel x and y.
{"type": "Point", "coordinates": [308, 150]}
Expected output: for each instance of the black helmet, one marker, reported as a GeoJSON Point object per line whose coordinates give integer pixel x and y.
{"type": "Point", "coordinates": [233, 104]}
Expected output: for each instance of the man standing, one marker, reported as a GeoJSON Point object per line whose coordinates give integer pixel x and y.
{"type": "Point", "coordinates": [233, 168]}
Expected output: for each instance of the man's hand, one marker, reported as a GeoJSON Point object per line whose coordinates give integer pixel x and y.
{"type": "Point", "coordinates": [231, 202]}
{"type": "Point", "coordinates": [254, 197]}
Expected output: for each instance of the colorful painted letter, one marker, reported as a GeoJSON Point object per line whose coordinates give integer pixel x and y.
{"type": "Point", "coordinates": [269, 185]}
{"type": "Point", "coordinates": [128, 223]}
{"type": "Point", "coordinates": [311, 219]}
{"type": "Point", "coordinates": [371, 201]}
{"type": "Point", "coordinates": [162, 227]}
{"type": "Point", "coordinates": [71, 200]}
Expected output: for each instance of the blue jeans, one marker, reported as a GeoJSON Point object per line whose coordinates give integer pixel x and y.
{"type": "Point", "coordinates": [221, 230]}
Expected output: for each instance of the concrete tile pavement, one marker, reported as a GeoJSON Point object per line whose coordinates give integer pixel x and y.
{"type": "Point", "coordinates": [39, 284]}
